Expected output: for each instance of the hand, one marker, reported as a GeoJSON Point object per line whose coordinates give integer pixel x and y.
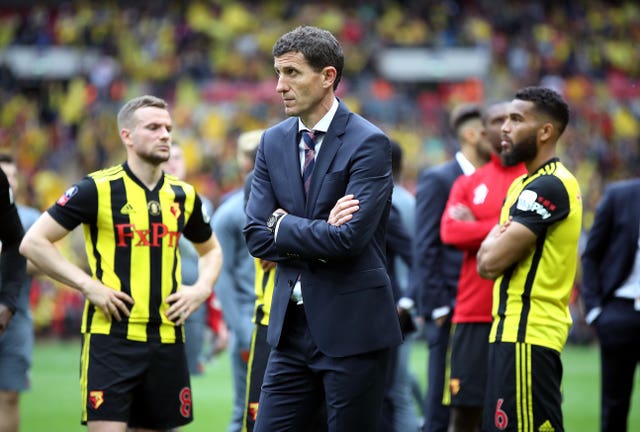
{"type": "Point", "coordinates": [266, 265]}
{"type": "Point", "coordinates": [184, 302]}
{"type": "Point", "coordinates": [5, 317]}
{"type": "Point", "coordinates": [343, 211]}
{"type": "Point", "coordinates": [461, 212]}
{"type": "Point", "coordinates": [407, 324]}
{"type": "Point", "coordinates": [441, 320]}
{"type": "Point", "coordinates": [112, 303]}
{"type": "Point", "coordinates": [505, 225]}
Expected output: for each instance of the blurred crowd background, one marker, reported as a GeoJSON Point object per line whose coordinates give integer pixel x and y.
{"type": "Point", "coordinates": [67, 66]}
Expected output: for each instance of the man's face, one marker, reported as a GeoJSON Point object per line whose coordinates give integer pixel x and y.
{"type": "Point", "coordinates": [494, 118]}
{"type": "Point", "coordinates": [301, 87]}
{"type": "Point", "coordinates": [519, 133]}
{"type": "Point", "coordinates": [483, 146]}
{"type": "Point", "coordinates": [150, 136]}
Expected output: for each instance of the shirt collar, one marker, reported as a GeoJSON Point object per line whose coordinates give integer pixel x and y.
{"type": "Point", "coordinates": [466, 166]}
{"type": "Point", "coordinates": [323, 124]}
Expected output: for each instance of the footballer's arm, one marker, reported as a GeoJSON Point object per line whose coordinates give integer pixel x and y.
{"type": "Point", "coordinates": [38, 246]}
{"type": "Point", "coordinates": [504, 246]}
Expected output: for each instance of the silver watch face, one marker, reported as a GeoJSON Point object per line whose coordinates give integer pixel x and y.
{"type": "Point", "coordinates": [271, 221]}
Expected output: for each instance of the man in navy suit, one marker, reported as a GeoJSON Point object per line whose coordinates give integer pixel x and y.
{"type": "Point", "coordinates": [436, 266]}
{"type": "Point", "coordinates": [611, 293]}
{"type": "Point", "coordinates": [333, 318]}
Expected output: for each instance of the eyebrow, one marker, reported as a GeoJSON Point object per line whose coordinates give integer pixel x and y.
{"type": "Point", "coordinates": [158, 124]}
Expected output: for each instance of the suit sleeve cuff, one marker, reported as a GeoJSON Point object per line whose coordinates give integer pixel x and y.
{"type": "Point", "coordinates": [406, 303]}
{"type": "Point", "coordinates": [275, 232]}
{"type": "Point", "coordinates": [593, 314]}
{"type": "Point", "coordinates": [440, 312]}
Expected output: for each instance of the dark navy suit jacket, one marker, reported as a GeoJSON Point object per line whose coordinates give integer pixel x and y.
{"type": "Point", "coordinates": [347, 293]}
{"type": "Point", "coordinates": [436, 266]}
{"type": "Point", "coordinates": [612, 243]}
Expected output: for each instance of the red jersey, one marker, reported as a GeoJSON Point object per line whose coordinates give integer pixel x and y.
{"type": "Point", "coordinates": [483, 192]}
{"type": "Point", "coordinates": [215, 318]}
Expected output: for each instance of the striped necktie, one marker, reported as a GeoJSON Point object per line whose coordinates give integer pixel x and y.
{"type": "Point", "coordinates": [309, 139]}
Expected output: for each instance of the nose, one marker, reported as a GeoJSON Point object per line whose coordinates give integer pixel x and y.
{"type": "Point", "coordinates": [281, 86]}
{"type": "Point", "coordinates": [505, 126]}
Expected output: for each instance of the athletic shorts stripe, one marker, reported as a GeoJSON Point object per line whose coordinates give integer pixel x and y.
{"type": "Point", "coordinates": [446, 393]}
{"type": "Point", "coordinates": [524, 401]}
{"type": "Point", "coordinates": [523, 389]}
{"type": "Point", "coordinates": [84, 368]}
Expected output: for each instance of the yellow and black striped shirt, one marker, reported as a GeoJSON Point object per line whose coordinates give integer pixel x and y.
{"type": "Point", "coordinates": [264, 284]}
{"type": "Point", "coordinates": [131, 238]}
{"type": "Point", "coordinates": [530, 300]}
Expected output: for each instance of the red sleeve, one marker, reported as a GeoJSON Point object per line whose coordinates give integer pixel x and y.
{"type": "Point", "coordinates": [465, 235]}
{"type": "Point", "coordinates": [214, 314]}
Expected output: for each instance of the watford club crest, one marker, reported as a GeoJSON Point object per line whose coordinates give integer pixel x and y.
{"type": "Point", "coordinates": [253, 410]}
{"type": "Point", "coordinates": [96, 398]}
{"type": "Point", "coordinates": [154, 208]}
{"type": "Point", "coordinates": [175, 210]}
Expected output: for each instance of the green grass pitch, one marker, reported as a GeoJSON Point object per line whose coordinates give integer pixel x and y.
{"type": "Point", "coordinates": [52, 405]}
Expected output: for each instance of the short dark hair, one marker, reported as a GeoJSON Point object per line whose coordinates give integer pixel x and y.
{"type": "Point", "coordinates": [6, 158]}
{"type": "Point", "coordinates": [462, 113]}
{"type": "Point", "coordinates": [548, 102]}
{"type": "Point", "coordinates": [488, 106]}
{"type": "Point", "coordinates": [319, 47]}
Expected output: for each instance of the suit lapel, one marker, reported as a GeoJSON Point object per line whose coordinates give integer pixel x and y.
{"type": "Point", "coordinates": [291, 161]}
{"type": "Point", "coordinates": [457, 169]}
{"type": "Point", "coordinates": [330, 144]}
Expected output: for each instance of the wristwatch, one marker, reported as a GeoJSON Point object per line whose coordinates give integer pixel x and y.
{"type": "Point", "coordinates": [272, 222]}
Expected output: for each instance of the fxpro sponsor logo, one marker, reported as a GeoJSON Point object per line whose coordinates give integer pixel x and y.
{"type": "Point", "coordinates": [531, 201]}
{"type": "Point", "coordinates": [127, 234]}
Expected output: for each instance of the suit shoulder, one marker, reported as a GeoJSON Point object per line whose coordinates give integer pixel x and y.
{"type": "Point", "coordinates": [281, 128]}
{"type": "Point", "coordinates": [275, 135]}
{"type": "Point", "coordinates": [360, 122]}
{"type": "Point", "coordinates": [441, 171]}
{"type": "Point", "coordinates": [624, 186]}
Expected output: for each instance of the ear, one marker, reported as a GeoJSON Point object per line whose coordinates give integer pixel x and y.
{"type": "Point", "coordinates": [125, 136]}
{"type": "Point", "coordinates": [545, 132]}
{"type": "Point", "coordinates": [329, 74]}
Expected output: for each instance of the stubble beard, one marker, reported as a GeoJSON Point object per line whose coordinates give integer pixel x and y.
{"type": "Point", "coordinates": [154, 158]}
{"type": "Point", "coordinates": [523, 151]}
